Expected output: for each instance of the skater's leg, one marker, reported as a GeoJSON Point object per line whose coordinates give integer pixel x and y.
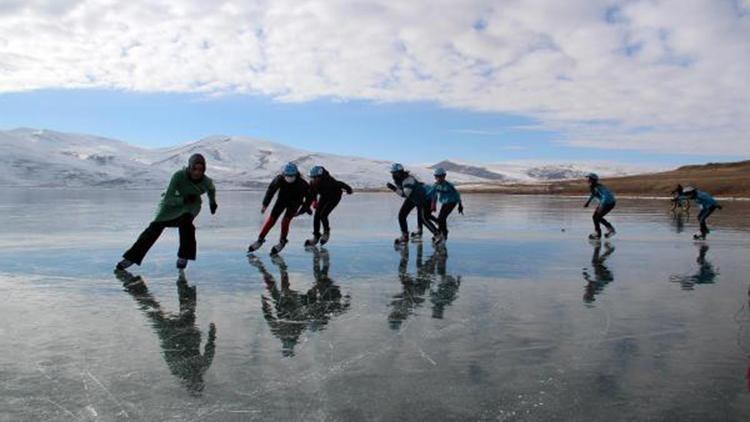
{"type": "Point", "coordinates": [603, 211]}
{"type": "Point", "coordinates": [145, 241]}
{"type": "Point", "coordinates": [291, 211]}
{"type": "Point", "coordinates": [316, 221]}
{"type": "Point", "coordinates": [597, 221]}
{"type": "Point", "coordinates": [188, 245]}
{"type": "Point", "coordinates": [425, 211]}
{"type": "Point", "coordinates": [326, 209]}
{"type": "Point", "coordinates": [277, 210]}
{"type": "Point", "coordinates": [445, 211]}
{"type": "Point", "coordinates": [406, 208]}
{"type": "Point", "coordinates": [703, 217]}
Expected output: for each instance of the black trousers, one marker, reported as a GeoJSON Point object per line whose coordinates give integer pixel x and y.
{"type": "Point", "coordinates": [445, 211]}
{"type": "Point", "coordinates": [146, 240]}
{"type": "Point", "coordinates": [703, 216]}
{"type": "Point", "coordinates": [598, 217]}
{"type": "Point", "coordinates": [424, 216]}
{"type": "Point", "coordinates": [326, 205]}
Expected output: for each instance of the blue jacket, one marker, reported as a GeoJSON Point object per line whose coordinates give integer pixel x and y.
{"type": "Point", "coordinates": [705, 200]}
{"type": "Point", "coordinates": [602, 194]}
{"type": "Point", "coordinates": [444, 192]}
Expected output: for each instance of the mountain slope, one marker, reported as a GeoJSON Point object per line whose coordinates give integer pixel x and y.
{"type": "Point", "coordinates": [48, 158]}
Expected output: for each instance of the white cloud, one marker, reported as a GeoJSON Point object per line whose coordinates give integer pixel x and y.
{"type": "Point", "coordinates": [651, 74]}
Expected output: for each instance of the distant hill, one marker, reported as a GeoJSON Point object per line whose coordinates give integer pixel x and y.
{"type": "Point", "coordinates": [46, 158]}
{"type": "Point", "coordinates": [721, 179]}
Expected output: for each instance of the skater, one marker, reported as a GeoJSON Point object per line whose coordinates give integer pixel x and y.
{"type": "Point", "coordinates": [606, 201]}
{"type": "Point", "coordinates": [415, 194]}
{"type": "Point", "coordinates": [179, 206]}
{"type": "Point", "coordinates": [678, 200]}
{"type": "Point", "coordinates": [445, 193]}
{"type": "Point", "coordinates": [325, 193]}
{"type": "Point", "coordinates": [293, 200]}
{"type": "Point", "coordinates": [708, 206]}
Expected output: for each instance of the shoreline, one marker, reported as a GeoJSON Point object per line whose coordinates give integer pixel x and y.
{"type": "Point", "coordinates": [515, 190]}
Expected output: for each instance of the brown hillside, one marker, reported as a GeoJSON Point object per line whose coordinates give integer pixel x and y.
{"type": "Point", "coordinates": [721, 179]}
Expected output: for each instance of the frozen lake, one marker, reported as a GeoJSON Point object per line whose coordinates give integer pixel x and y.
{"type": "Point", "coordinates": [522, 319]}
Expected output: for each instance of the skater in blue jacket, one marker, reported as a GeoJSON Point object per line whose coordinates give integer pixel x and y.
{"type": "Point", "coordinates": [606, 200]}
{"type": "Point", "coordinates": [708, 205]}
{"type": "Point", "coordinates": [446, 194]}
{"type": "Point", "coordinates": [415, 195]}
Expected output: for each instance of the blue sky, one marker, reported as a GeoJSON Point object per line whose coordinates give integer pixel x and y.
{"type": "Point", "coordinates": [410, 132]}
{"type": "Point", "coordinates": [629, 81]}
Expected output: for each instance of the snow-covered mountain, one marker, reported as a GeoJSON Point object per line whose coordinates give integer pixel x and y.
{"type": "Point", "coordinates": [34, 157]}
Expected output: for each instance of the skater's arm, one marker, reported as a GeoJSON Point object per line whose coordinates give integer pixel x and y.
{"type": "Point", "coordinates": [343, 186]}
{"type": "Point", "coordinates": [271, 191]}
{"type": "Point", "coordinates": [212, 196]}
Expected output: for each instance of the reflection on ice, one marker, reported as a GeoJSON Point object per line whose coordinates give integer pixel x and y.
{"type": "Point", "coordinates": [704, 275]}
{"type": "Point", "coordinates": [601, 273]}
{"type": "Point", "coordinates": [288, 312]}
{"type": "Point", "coordinates": [415, 286]}
{"type": "Point", "coordinates": [180, 338]}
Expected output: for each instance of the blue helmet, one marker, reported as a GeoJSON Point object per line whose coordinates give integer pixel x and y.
{"type": "Point", "coordinates": [592, 176]}
{"type": "Point", "coordinates": [440, 172]}
{"type": "Point", "coordinates": [290, 169]}
{"type": "Point", "coordinates": [316, 171]}
{"type": "Point", "coordinates": [396, 167]}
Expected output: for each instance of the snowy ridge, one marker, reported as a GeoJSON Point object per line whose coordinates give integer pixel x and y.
{"type": "Point", "coordinates": [38, 158]}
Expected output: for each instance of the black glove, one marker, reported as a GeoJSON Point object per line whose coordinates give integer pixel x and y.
{"type": "Point", "coordinates": [461, 209]}
{"type": "Point", "coordinates": [349, 191]}
{"type": "Point", "coordinates": [190, 199]}
{"type": "Point", "coordinates": [213, 206]}
{"type": "Point", "coordinates": [391, 186]}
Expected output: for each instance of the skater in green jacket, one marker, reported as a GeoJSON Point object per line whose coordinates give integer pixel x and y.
{"type": "Point", "coordinates": [180, 204]}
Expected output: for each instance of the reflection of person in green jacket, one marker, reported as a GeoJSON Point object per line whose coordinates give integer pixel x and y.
{"type": "Point", "coordinates": [179, 336]}
{"type": "Point", "coordinates": [180, 204]}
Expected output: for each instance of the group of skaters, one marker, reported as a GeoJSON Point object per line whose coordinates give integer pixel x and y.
{"type": "Point", "coordinates": [181, 203]}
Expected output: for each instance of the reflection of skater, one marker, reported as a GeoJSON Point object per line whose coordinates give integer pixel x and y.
{"type": "Point", "coordinates": [678, 221]}
{"type": "Point", "coordinates": [414, 193]}
{"type": "Point", "coordinates": [601, 274]}
{"type": "Point", "coordinates": [292, 200]}
{"type": "Point", "coordinates": [329, 189]}
{"type": "Point", "coordinates": [447, 287]}
{"type": "Point", "coordinates": [289, 312]}
{"type": "Point", "coordinates": [180, 204]}
{"type": "Point", "coordinates": [705, 275]}
{"type": "Point", "coordinates": [445, 193]}
{"type": "Point", "coordinates": [416, 287]}
{"type": "Point", "coordinates": [606, 200]}
{"type": "Point", "coordinates": [708, 205]}
{"type": "Point", "coordinates": [180, 338]}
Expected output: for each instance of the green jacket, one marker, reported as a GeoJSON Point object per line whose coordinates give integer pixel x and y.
{"type": "Point", "coordinates": [173, 202]}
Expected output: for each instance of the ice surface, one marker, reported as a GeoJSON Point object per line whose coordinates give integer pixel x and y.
{"type": "Point", "coordinates": [520, 319]}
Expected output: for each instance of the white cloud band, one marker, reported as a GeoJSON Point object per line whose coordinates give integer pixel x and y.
{"type": "Point", "coordinates": [659, 75]}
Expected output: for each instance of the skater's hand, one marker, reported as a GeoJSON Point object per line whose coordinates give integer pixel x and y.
{"type": "Point", "coordinates": [349, 191]}
{"type": "Point", "coordinates": [391, 186]}
{"type": "Point", "coordinates": [213, 207]}
{"type": "Point", "coordinates": [586, 205]}
{"type": "Point", "coordinates": [460, 209]}
{"type": "Point", "coordinates": [262, 210]}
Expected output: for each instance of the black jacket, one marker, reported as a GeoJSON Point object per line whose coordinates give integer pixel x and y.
{"type": "Point", "coordinates": [328, 187]}
{"type": "Point", "coordinates": [290, 193]}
